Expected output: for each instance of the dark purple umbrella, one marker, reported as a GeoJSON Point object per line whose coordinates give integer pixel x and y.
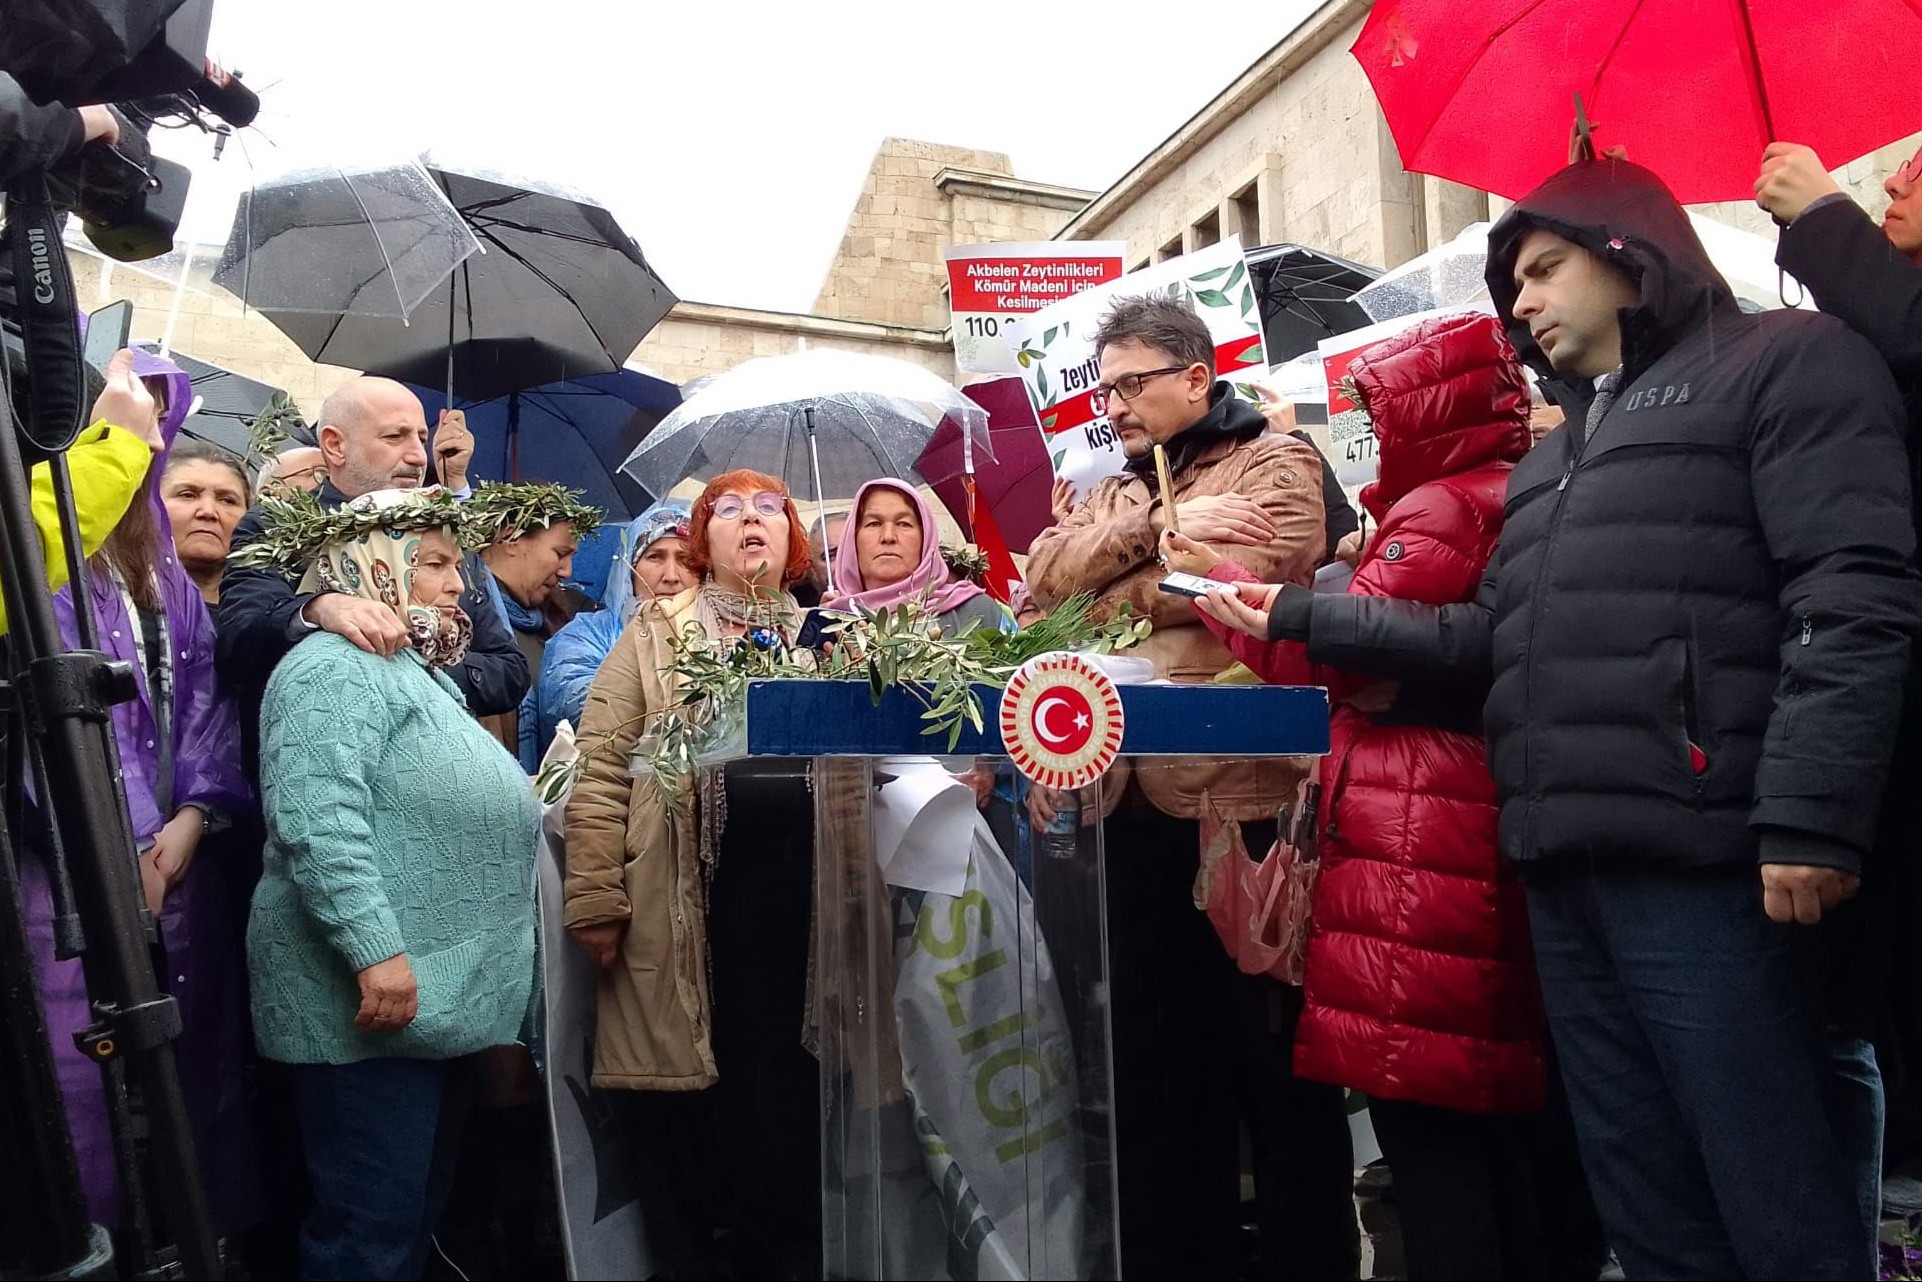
{"type": "Point", "coordinates": [1015, 483]}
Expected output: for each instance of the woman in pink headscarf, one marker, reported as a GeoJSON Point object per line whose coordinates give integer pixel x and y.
{"type": "Point", "coordinates": [890, 553]}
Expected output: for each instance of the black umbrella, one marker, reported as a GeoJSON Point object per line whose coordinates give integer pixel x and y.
{"type": "Point", "coordinates": [1303, 295]}
{"type": "Point", "coordinates": [560, 293]}
{"type": "Point", "coordinates": [226, 405]}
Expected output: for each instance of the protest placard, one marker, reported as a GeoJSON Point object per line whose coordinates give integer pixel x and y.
{"type": "Point", "coordinates": [1054, 351]}
{"type": "Point", "coordinates": [989, 285]}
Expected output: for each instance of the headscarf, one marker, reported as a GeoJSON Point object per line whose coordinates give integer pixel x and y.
{"type": "Point", "coordinates": [180, 389]}
{"type": "Point", "coordinates": [665, 519]}
{"type": "Point", "coordinates": [931, 582]}
{"type": "Point", "coordinates": [180, 393]}
{"type": "Point", "coordinates": [378, 565]}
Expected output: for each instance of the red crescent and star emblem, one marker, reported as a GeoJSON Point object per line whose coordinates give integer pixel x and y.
{"type": "Point", "coordinates": [1061, 721]}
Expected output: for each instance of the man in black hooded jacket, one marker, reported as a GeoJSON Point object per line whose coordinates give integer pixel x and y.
{"type": "Point", "coordinates": [1695, 633]}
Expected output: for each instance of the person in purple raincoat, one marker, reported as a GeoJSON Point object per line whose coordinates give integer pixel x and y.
{"type": "Point", "coordinates": [179, 745]}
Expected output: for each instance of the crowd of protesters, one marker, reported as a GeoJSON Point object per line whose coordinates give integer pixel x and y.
{"type": "Point", "coordinates": [1618, 816]}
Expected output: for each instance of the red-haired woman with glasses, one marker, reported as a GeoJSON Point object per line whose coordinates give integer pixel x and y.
{"type": "Point", "coordinates": [654, 893]}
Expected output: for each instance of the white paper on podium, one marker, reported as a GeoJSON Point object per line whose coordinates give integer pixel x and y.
{"type": "Point", "coordinates": [923, 826]}
{"type": "Point", "coordinates": [1125, 669]}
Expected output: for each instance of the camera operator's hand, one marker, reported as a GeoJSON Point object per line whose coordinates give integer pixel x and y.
{"type": "Point", "coordinates": [368, 624]}
{"type": "Point", "coordinates": [453, 449]}
{"type": "Point", "coordinates": [101, 125]}
{"type": "Point", "coordinates": [126, 402]}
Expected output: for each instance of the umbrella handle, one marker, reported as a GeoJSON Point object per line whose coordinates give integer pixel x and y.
{"type": "Point", "coordinates": [1584, 131]}
{"type": "Point", "coordinates": [820, 495]}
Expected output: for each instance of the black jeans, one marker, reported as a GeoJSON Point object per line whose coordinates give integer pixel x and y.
{"type": "Point", "coordinates": [1489, 1195]}
{"type": "Point", "coordinates": [1694, 1047]}
{"type": "Point", "coordinates": [1198, 1047]}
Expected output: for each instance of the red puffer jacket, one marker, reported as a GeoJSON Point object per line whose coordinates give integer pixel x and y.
{"type": "Point", "coordinates": [1420, 983]}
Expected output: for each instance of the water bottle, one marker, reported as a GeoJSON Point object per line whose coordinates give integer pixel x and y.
{"type": "Point", "coordinates": [1058, 839]}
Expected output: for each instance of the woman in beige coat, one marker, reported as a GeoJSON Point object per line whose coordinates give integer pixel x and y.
{"type": "Point", "coordinates": [655, 895]}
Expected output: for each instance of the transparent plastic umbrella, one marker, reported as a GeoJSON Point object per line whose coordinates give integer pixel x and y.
{"type": "Point", "coordinates": [1451, 275]}
{"type": "Point", "coordinates": [359, 240]}
{"type": "Point", "coordinates": [823, 421]}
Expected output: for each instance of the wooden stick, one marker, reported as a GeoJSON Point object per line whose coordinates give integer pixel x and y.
{"type": "Point", "coordinates": [1167, 488]}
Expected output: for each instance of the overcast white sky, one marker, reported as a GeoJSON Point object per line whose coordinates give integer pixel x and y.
{"type": "Point", "coordinates": [730, 136]}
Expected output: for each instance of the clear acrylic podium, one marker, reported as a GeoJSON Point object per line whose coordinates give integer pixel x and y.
{"type": "Point", "coordinates": [958, 991]}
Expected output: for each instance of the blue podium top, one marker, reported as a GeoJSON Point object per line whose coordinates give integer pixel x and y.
{"type": "Point", "coordinates": [812, 718]}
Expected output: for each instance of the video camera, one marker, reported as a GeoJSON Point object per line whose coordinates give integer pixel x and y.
{"type": "Point", "coordinates": [145, 61]}
{"type": "Point", "coordinates": [149, 57]}
{"type": "Point", "coordinates": [156, 71]}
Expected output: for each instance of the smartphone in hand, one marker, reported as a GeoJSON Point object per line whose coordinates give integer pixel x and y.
{"type": "Point", "coordinates": [1188, 585]}
{"type": "Point", "coordinates": [107, 332]}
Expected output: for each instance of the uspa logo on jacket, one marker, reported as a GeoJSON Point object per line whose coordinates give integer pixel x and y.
{"type": "Point", "coordinates": [1649, 397]}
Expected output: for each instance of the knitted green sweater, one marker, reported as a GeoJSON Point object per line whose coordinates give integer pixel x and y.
{"type": "Point", "coordinates": [395, 824]}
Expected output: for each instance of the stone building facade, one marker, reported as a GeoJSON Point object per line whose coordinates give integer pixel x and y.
{"type": "Point", "coordinates": [1293, 149]}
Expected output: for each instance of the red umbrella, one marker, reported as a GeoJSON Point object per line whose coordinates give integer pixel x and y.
{"type": "Point", "coordinates": [1014, 484]}
{"type": "Point", "coordinates": [1482, 91]}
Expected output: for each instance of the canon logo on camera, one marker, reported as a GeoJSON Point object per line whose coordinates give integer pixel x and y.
{"type": "Point", "coordinates": [40, 248]}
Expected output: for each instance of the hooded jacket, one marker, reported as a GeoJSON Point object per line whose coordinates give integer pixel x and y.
{"type": "Point", "coordinates": [1419, 983]}
{"type": "Point", "coordinates": [1697, 625]}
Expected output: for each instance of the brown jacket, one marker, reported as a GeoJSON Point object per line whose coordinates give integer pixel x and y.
{"type": "Point", "coordinates": [632, 859]}
{"type": "Point", "coordinates": [1108, 546]}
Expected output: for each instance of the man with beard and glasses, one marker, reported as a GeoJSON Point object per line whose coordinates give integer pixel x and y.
{"type": "Point", "coordinates": [1197, 1044]}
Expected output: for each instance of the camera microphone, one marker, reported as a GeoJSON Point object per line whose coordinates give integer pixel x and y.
{"type": "Point", "coordinates": [222, 93]}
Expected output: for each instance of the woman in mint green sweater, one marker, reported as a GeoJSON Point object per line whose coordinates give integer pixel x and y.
{"type": "Point", "coordinates": [393, 929]}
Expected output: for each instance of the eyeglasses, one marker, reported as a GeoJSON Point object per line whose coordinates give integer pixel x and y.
{"type": "Point", "coordinates": [768, 503]}
{"type": "Point", "coordinates": [1912, 171]}
{"type": "Point", "coordinates": [1128, 386]}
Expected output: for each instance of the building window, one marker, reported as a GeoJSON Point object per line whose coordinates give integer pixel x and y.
{"type": "Point", "coordinates": [1140, 265]}
{"type": "Point", "coordinates": [1248, 213]}
{"type": "Point", "coordinates": [1208, 231]}
{"type": "Point", "coordinates": [1170, 250]}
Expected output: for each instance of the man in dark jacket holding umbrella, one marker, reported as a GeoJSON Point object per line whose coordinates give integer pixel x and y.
{"type": "Point", "coordinates": [373, 436]}
{"type": "Point", "coordinates": [1870, 278]}
{"type": "Point", "coordinates": [1697, 629]}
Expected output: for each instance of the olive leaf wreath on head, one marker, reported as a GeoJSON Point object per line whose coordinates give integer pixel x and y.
{"type": "Point", "coordinates": [295, 527]}
{"type": "Point", "coordinates": [512, 509]}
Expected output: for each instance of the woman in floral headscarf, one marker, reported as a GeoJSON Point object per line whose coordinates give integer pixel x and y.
{"type": "Point", "coordinates": [393, 929]}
